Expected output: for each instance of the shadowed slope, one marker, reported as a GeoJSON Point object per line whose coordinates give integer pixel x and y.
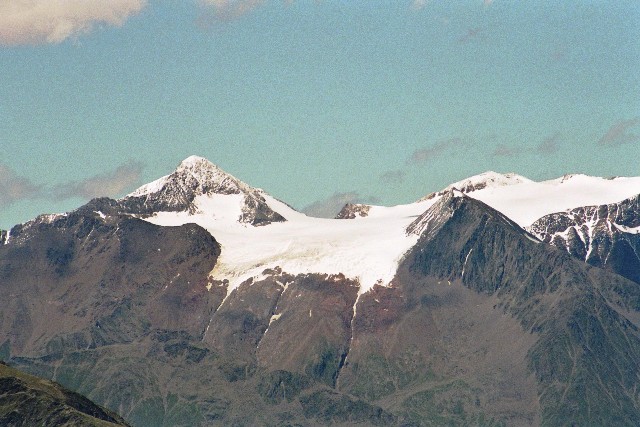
{"type": "Point", "coordinates": [26, 400]}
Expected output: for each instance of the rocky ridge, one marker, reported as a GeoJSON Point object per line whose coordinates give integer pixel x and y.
{"type": "Point", "coordinates": [353, 210]}
{"type": "Point", "coordinates": [605, 236]}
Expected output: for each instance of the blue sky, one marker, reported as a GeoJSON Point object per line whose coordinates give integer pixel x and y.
{"type": "Point", "coordinates": [317, 102]}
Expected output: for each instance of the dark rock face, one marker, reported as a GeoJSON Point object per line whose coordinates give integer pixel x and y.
{"type": "Point", "coordinates": [79, 280]}
{"type": "Point", "coordinates": [353, 210]}
{"type": "Point", "coordinates": [582, 318]}
{"type": "Point", "coordinates": [86, 297]}
{"type": "Point", "coordinates": [606, 236]}
{"type": "Point", "coordinates": [26, 400]}
{"type": "Point", "coordinates": [313, 317]}
{"type": "Point", "coordinates": [124, 312]}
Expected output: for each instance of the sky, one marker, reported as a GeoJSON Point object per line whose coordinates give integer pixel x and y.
{"type": "Point", "coordinates": [317, 102]}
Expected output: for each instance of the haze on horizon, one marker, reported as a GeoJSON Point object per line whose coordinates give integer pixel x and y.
{"type": "Point", "coordinates": [318, 103]}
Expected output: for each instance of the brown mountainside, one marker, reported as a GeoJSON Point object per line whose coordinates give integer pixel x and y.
{"type": "Point", "coordinates": [482, 325]}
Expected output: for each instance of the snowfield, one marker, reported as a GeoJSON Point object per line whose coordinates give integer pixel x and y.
{"type": "Point", "coordinates": [526, 202]}
{"type": "Point", "coordinates": [367, 249]}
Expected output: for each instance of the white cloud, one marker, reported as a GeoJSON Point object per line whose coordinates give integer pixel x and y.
{"type": "Point", "coordinates": [14, 187]}
{"type": "Point", "coordinates": [110, 184]}
{"type": "Point", "coordinates": [228, 10]}
{"type": "Point", "coordinates": [53, 21]}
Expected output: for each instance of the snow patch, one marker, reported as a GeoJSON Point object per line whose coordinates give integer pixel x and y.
{"type": "Point", "coordinates": [150, 188]}
{"type": "Point", "coordinates": [465, 262]}
{"type": "Point", "coordinates": [625, 229]}
{"type": "Point", "coordinates": [274, 318]}
{"type": "Point", "coordinates": [368, 250]}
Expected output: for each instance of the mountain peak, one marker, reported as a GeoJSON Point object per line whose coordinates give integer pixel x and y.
{"type": "Point", "coordinates": [195, 177]}
{"type": "Point", "coordinates": [438, 213]}
{"type": "Point", "coordinates": [202, 167]}
{"type": "Point", "coordinates": [450, 202]}
{"type": "Point", "coordinates": [489, 179]}
{"type": "Point", "coordinates": [194, 160]}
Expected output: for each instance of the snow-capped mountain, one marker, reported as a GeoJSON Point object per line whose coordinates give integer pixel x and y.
{"type": "Point", "coordinates": [367, 248]}
{"type": "Point", "coordinates": [523, 200]}
{"type": "Point", "coordinates": [197, 185]}
{"type": "Point", "coordinates": [172, 306]}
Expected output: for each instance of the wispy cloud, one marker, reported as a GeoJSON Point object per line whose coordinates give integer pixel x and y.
{"type": "Point", "coordinates": [229, 10]}
{"type": "Point", "coordinates": [53, 21]}
{"type": "Point", "coordinates": [110, 184]}
{"type": "Point", "coordinates": [393, 177]}
{"type": "Point", "coordinates": [14, 187]}
{"type": "Point", "coordinates": [329, 207]}
{"type": "Point", "coordinates": [503, 150]}
{"type": "Point", "coordinates": [549, 146]}
{"type": "Point", "coordinates": [487, 3]}
{"type": "Point", "coordinates": [620, 133]}
{"type": "Point", "coordinates": [424, 155]}
{"type": "Point", "coordinates": [471, 34]}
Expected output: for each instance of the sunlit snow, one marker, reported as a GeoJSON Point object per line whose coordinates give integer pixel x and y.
{"type": "Point", "coordinates": [367, 249]}
{"type": "Point", "coordinates": [526, 202]}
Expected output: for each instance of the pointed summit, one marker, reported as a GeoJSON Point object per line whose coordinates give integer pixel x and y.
{"type": "Point", "coordinates": [197, 177]}
{"type": "Point", "coordinates": [195, 160]}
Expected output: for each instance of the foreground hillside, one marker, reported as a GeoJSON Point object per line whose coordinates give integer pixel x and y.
{"type": "Point", "coordinates": [26, 400]}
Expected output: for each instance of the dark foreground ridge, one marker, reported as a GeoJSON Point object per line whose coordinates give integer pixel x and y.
{"type": "Point", "coordinates": [26, 400]}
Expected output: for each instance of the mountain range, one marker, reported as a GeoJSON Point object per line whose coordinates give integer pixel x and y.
{"type": "Point", "coordinates": [200, 300]}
